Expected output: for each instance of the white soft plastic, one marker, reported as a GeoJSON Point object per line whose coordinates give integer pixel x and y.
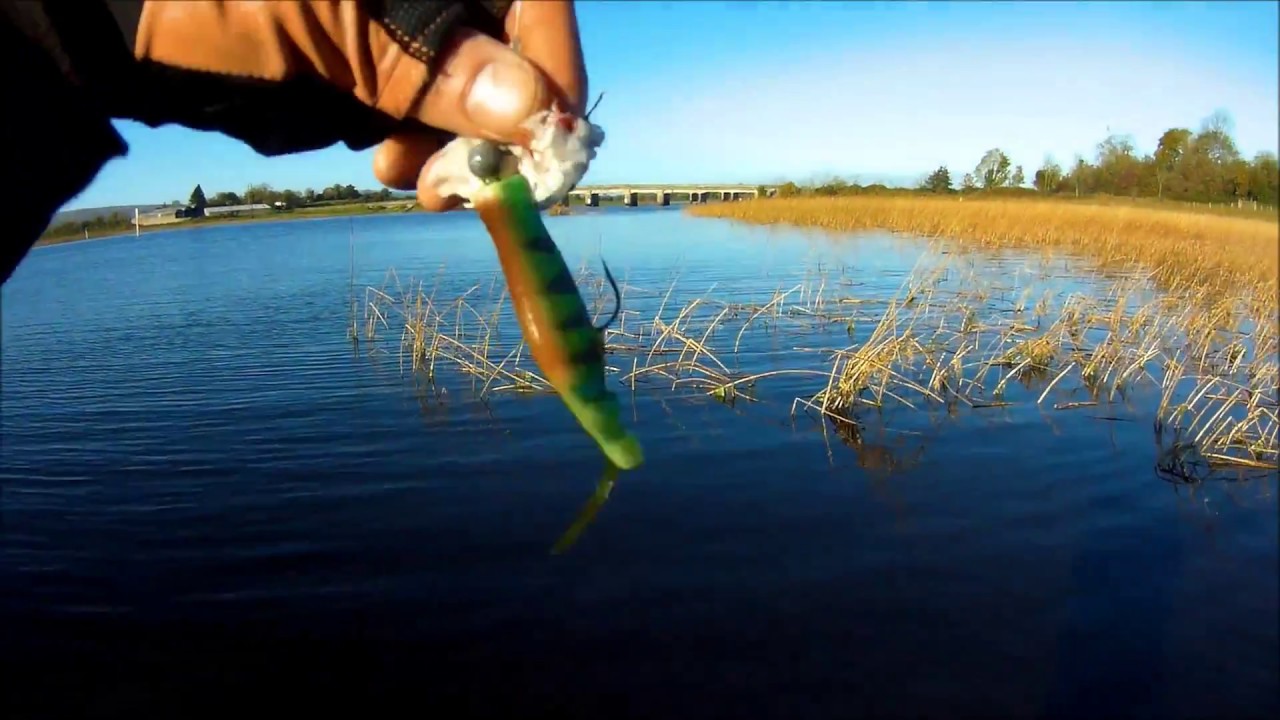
{"type": "Point", "coordinates": [555, 162]}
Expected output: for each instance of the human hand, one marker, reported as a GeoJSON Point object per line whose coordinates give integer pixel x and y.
{"type": "Point", "coordinates": [408, 74]}
{"type": "Point", "coordinates": [464, 100]}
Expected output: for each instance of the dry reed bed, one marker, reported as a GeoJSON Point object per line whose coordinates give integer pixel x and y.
{"type": "Point", "coordinates": [953, 335]}
{"type": "Point", "coordinates": [1240, 256]}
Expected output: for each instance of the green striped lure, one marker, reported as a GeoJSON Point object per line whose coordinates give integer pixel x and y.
{"type": "Point", "coordinates": [553, 318]}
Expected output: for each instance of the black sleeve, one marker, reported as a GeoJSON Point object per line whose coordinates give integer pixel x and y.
{"type": "Point", "coordinates": [69, 69]}
{"type": "Point", "coordinates": [55, 141]}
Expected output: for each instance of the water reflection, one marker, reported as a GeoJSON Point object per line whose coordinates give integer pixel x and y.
{"type": "Point", "coordinates": [588, 513]}
{"type": "Point", "coordinates": [878, 459]}
{"type": "Point", "coordinates": [1181, 462]}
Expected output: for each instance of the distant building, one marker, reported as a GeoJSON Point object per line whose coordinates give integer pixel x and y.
{"type": "Point", "coordinates": [230, 210]}
{"type": "Point", "coordinates": [164, 215]}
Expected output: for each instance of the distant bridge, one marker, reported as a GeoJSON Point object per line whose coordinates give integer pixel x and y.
{"type": "Point", "coordinates": [665, 194]}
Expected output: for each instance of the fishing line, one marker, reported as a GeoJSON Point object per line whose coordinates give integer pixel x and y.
{"type": "Point", "coordinates": [594, 104]}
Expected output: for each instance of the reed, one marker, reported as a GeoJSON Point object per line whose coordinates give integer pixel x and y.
{"type": "Point", "coordinates": [955, 337]}
{"type": "Point", "coordinates": [1212, 252]}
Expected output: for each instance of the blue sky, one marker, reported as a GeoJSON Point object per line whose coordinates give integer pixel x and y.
{"type": "Point", "coordinates": [762, 92]}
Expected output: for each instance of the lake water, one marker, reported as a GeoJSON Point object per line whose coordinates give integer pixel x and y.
{"type": "Point", "coordinates": [210, 494]}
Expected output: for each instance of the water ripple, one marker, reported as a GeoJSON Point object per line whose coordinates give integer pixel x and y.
{"type": "Point", "coordinates": [198, 467]}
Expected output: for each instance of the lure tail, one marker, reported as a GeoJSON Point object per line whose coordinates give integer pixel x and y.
{"type": "Point", "coordinates": [587, 514]}
{"type": "Point", "coordinates": [553, 317]}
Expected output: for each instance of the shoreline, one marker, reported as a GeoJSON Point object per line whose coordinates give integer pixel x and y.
{"type": "Point", "coordinates": [335, 211]}
{"type": "Point", "coordinates": [702, 210]}
{"type": "Point", "coordinates": [1179, 247]}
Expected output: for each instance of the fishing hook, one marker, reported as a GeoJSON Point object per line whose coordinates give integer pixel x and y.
{"type": "Point", "coordinates": [617, 297]}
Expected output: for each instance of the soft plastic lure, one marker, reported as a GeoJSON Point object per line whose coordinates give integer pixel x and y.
{"type": "Point", "coordinates": [553, 317]}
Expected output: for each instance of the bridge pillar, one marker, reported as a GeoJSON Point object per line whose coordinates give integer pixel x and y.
{"type": "Point", "coordinates": [726, 195]}
{"type": "Point", "coordinates": [664, 198]}
{"type": "Point", "coordinates": [593, 200]}
{"type": "Point", "coordinates": [629, 198]}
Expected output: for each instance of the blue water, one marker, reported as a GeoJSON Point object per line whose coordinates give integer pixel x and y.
{"type": "Point", "coordinates": [210, 497]}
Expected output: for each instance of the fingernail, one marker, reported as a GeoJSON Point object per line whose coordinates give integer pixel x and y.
{"type": "Point", "coordinates": [502, 96]}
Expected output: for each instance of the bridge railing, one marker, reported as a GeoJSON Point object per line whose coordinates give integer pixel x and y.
{"type": "Point", "coordinates": [665, 193]}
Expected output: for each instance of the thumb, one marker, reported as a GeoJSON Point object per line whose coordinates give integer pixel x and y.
{"type": "Point", "coordinates": [482, 89]}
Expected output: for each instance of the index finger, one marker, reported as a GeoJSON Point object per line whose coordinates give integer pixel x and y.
{"type": "Point", "coordinates": [547, 35]}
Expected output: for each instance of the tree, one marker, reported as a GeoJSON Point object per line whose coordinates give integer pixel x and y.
{"type": "Point", "coordinates": [832, 188]}
{"type": "Point", "coordinates": [1114, 148]}
{"type": "Point", "coordinates": [258, 193]}
{"type": "Point", "coordinates": [1048, 176]}
{"type": "Point", "coordinates": [1215, 138]}
{"type": "Point", "coordinates": [1170, 149]}
{"type": "Point", "coordinates": [198, 199]}
{"type": "Point", "coordinates": [993, 169]}
{"type": "Point", "coordinates": [1078, 173]}
{"type": "Point", "coordinates": [788, 189]}
{"type": "Point", "coordinates": [1117, 168]}
{"type": "Point", "coordinates": [1147, 185]}
{"type": "Point", "coordinates": [1017, 179]}
{"type": "Point", "coordinates": [1204, 166]}
{"type": "Point", "coordinates": [1264, 178]}
{"type": "Point", "coordinates": [223, 199]}
{"type": "Point", "coordinates": [939, 181]}
{"type": "Point", "coordinates": [1239, 178]}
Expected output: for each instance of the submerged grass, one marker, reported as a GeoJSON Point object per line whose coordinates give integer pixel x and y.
{"type": "Point", "coordinates": [1193, 337]}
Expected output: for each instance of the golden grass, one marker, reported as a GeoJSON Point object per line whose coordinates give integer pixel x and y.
{"type": "Point", "coordinates": [1209, 343]}
{"type": "Point", "coordinates": [1181, 249]}
{"type": "Point", "coordinates": [1248, 210]}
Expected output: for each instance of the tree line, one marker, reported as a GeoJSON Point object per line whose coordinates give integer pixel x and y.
{"type": "Point", "coordinates": [264, 193]}
{"type": "Point", "coordinates": [1204, 165]}
{"type": "Point", "coordinates": [254, 194]}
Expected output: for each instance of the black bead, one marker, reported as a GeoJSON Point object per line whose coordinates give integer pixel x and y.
{"type": "Point", "coordinates": [485, 160]}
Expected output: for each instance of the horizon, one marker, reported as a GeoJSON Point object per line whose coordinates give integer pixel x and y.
{"type": "Point", "coordinates": [945, 83]}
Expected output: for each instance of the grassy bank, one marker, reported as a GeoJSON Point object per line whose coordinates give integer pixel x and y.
{"type": "Point", "coordinates": [317, 211]}
{"type": "Point", "coordinates": [1208, 339]}
{"type": "Point", "coordinates": [1182, 249]}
